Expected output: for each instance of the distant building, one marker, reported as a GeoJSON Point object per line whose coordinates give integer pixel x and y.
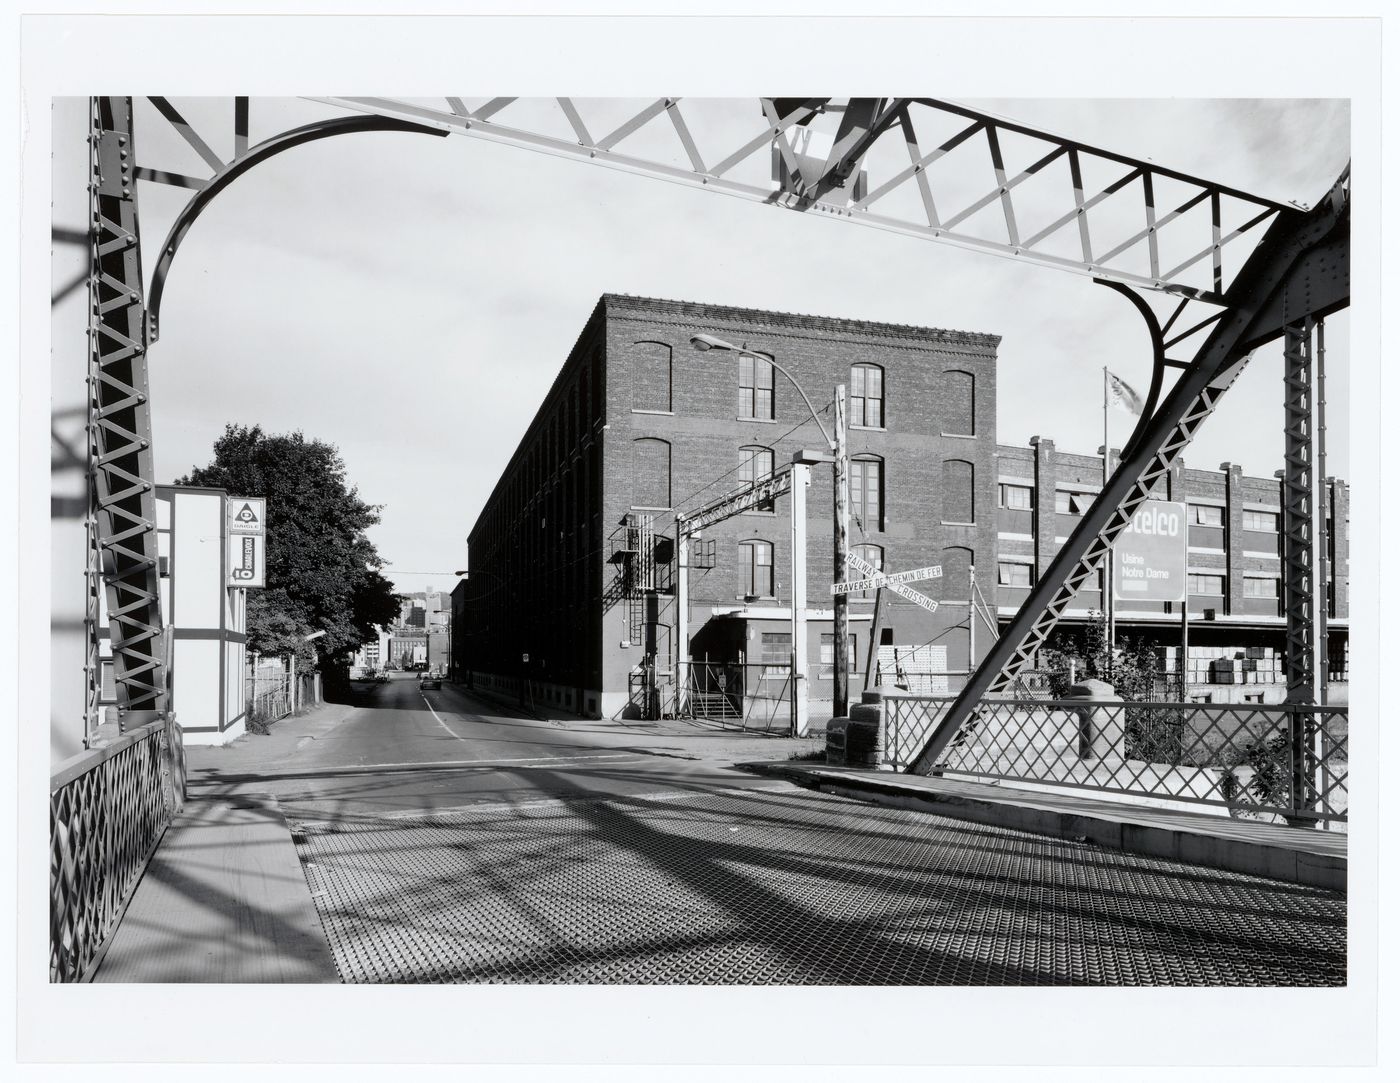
{"type": "Point", "coordinates": [1234, 566]}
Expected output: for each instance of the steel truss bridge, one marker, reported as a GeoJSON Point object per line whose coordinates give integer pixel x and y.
{"type": "Point", "coordinates": [1215, 273]}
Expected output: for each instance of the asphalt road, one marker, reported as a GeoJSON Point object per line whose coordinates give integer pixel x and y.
{"type": "Point", "coordinates": [399, 748]}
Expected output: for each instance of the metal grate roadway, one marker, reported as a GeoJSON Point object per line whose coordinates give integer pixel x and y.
{"type": "Point", "coordinates": [779, 887]}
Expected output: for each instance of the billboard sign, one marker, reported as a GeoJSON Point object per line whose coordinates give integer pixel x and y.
{"type": "Point", "coordinates": [1149, 557]}
{"type": "Point", "coordinates": [246, 537]}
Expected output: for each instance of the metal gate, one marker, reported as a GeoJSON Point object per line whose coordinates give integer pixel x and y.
{"type": "Point", "coordinates": [746, 695]}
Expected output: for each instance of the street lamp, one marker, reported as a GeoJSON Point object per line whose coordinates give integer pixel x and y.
{"type": "Point", "coordinates": [841, 522]}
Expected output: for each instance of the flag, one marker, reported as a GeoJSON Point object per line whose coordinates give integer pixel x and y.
{"type": "Point", "coordinates": [1122, 395]}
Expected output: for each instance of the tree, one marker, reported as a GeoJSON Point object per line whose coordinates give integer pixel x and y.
{"type": "Point", "coordinates": [323, 573]}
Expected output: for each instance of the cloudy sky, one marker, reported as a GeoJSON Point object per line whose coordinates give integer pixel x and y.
{"type": "Point", "coordinates": [411, 299]}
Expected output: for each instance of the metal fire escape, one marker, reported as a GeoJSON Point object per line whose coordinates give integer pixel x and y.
{"type": "Point", "coordinates": [634, 557]}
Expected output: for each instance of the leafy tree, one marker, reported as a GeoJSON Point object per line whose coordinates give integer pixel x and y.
{"type": "Point", "coordinates": [1154, 734]}
{"type": "Point", "coordinates": [323, 573]}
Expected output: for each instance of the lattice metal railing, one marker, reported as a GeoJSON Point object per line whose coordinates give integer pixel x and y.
{"type": "Point", "coordinates": [1239, 756]}
{"type": "Point", "coordinates": [108, 809]}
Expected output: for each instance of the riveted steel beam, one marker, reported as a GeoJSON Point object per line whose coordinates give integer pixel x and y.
{"type": "Point", "coordinates": [123, 470]}
{"type": "Point", "coordinates": [1280, 267]}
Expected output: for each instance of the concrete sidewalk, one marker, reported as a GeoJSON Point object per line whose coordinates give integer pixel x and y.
{"type": "Point", "coordinates": [1296, 855]}
{"type": "Point", "coordinates": [224, 898]}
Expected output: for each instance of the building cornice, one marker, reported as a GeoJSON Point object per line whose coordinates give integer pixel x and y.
{"type": "Point", "coordinates": [906, 335]}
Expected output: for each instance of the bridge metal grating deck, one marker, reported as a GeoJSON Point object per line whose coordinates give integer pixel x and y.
{"type": "Point", "coordinates": [765, 887]}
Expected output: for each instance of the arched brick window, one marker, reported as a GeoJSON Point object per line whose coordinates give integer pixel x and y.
{"type": "Point", "coordinates": [960, 403]}
{"type": "Point", "coordinates": [756, 569]}
{"type": "Point", "coordinates": [651, 473]}
{"type": "Point", "coordinates": [651, 376]}
{"type": "Point", "coordinates": [956, 583]}
{"type": "Point", "coordinates": [868, 396]}
{"type": "Point", "coordinates": [867, 483]}
{"type": "Point", "coordinates": [958, 496]}
{"type": "Point", "coordinates": [755, 464]}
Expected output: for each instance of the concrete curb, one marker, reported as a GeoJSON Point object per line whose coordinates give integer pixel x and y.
{"type": "Point", "coordinates": [1310, 858]}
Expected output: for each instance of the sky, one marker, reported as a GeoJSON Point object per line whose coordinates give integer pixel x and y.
{"type": "Point", "coordinates": [411, 299]}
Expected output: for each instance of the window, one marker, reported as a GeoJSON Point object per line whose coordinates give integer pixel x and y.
{"type": "Point", "coordinates": [1016, 497]}
{"type": "Point", "coordinates": [755, 387]}
{"type": "Point", "coordinates": [1264, 521]}
{"type": "Point", "coordinates": [1260, 588]}
{"type": "Point", "coordinates": [1206, 515]}
{"type": "Point", "coordinates": [755, 464]}
{"type": "Point", "coordinates": [957, 492]}
{"type": "Point", "coordinates": [828, 655]}
{"type": "Point", "coordinates": [868, 396]}
{"type": "Point", "coordinates": [959, 397]}
{"type": "Point", "coordinates": [871, 554]}
{"type": "Point", "coordinates": [1201, 583]}
{"type": "Point", "coordinates": [702, 553]}
{"type": "Point", "coordinates": [1072, 503]}
{"type": "Point", "coordinates": [756, 569]}
{"type": "Point", "coordinates": [777, 654]}
{"type": "Point", "coordinates": [867, 485]}
{"type": "Point", "coordinates": [957, 573]}
{"type": "Point", "coordinates": [651, 473]}
{"type": "Point", "coordinates": [1011, 574]}
{"type": "Point", "coordinates": [651, 377]}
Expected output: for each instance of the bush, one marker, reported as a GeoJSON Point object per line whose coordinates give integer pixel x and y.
{"type": "Point", "coordinates": [1272, 783]}
{"type": "Point", "coordinates": [1154, 734]}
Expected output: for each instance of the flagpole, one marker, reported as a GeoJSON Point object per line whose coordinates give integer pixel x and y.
{"type": "Point", "coordinates": [1107, 580]}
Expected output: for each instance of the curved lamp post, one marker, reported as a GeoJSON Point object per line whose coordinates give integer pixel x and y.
{"type": "Point", "coordinates": [841, 507]}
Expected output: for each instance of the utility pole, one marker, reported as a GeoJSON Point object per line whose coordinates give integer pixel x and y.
{"type": "Point", "coordinates": [841, 543]}
{"type": "Point", "coordinates": [801, 478]}
{"type": "Point", "coordinates": [682, 616]}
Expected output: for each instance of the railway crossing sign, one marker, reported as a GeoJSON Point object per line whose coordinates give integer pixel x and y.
{"type": "Point", "coordinates": [894, 581]}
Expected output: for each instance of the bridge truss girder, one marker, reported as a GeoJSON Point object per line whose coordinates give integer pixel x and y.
{"type": "Point", "coordinates": [120, 421]}
{"type": "Point", "coordinates": [1170, 235]}
{"type": "Point", "coordinates": [1302, 267]}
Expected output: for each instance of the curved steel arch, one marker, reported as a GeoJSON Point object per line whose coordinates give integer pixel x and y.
{"type": "Point", "coordinates": [269, 148]}
{"type": "Point", "coordinates": [815, 184]}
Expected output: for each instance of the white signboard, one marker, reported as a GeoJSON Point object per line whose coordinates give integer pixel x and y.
{"type": "Point", "coordinates": [247, 515]}
{"type": "Point", "coordinates": [247, 560]}
{"type": "Point", "coordinates": [1149, 557]}
{"type": "Point", "coordinates": [896, 580]}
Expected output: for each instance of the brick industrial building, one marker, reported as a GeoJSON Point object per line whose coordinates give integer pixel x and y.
{"type": "Point", "coordinates": [1234, 566]}
{"type": "Point", "coordinates": [639, 424]}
